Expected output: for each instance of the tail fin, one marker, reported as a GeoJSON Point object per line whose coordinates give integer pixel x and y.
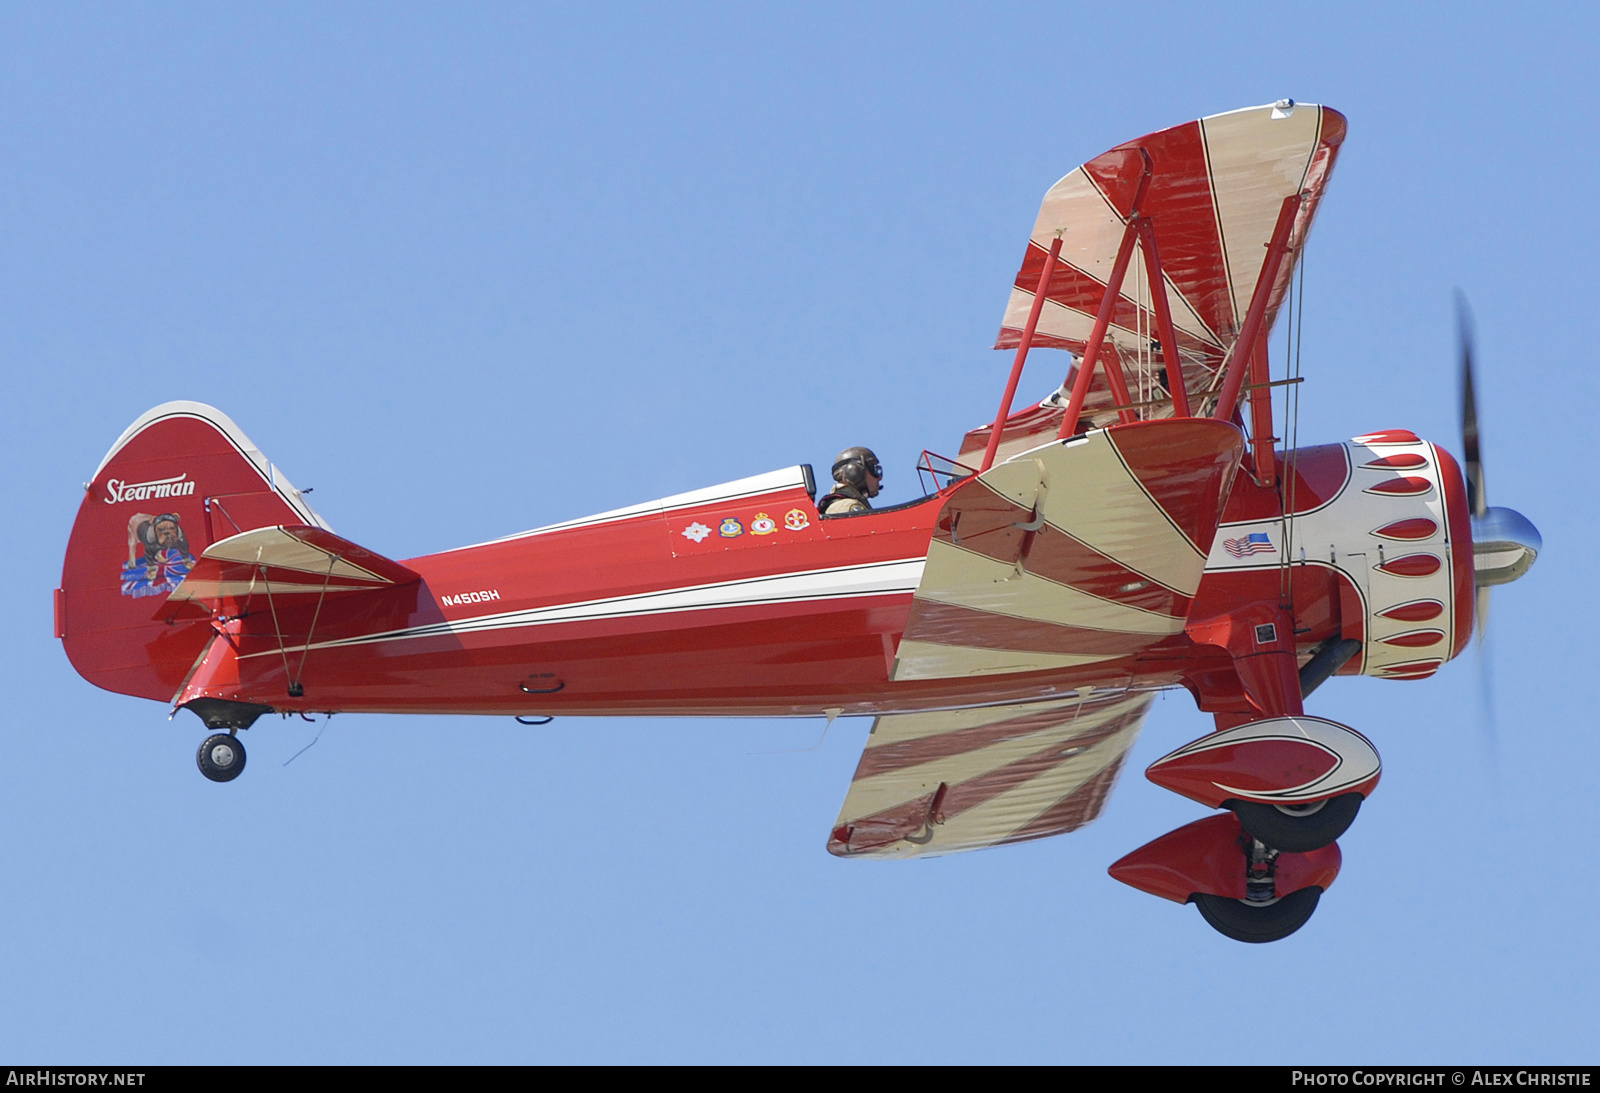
{"type": "Point", "coordinates": [180, 478]}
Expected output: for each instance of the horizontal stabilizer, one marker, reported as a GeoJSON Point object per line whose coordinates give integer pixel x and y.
{"type": "Point", "coordinates": [287, 561]}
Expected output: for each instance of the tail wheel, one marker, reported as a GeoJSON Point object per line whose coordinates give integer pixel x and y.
{"type": "Point", "coordinates": [1256, 923]}
{"type": "Point", "coordinates": [221, 758]}
{"type": "Point", "coordinates": [1298, 829]}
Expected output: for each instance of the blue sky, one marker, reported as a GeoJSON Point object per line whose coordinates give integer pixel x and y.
{"type": "Point", "coordinates": [468, 270]}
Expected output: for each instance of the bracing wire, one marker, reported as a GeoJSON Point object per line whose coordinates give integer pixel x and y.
{"type": "Point", "coordinates": [277, 630]}
{"type": "Point", "coordinates": [1295, 330]}
{"type": "Point", "coordinates": [1142, 335]}
{"type": "Point", "coordinates": [333, 560]}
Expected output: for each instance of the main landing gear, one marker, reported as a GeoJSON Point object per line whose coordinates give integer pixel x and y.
{"type": "Point", "coordinates": [1243, 888]}
{"type": "Point", "coordinates": [1298, 827]}
{"type": "Point", "coordinates": [221, 757]}
{"type": "Point", "coordinates": [1291, 786]}
{"type": "Point", "coordinates": [1243, 920]}
{"type": "Point", "coordinates": [1262, 915]}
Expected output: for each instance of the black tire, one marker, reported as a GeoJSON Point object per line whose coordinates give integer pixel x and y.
{"type": "Point", "coordinates": [221, 757]}
{"type": "Point", "coordinates": [1298, 832]}
{"type": "Point", "coordinates": [1258, 923]}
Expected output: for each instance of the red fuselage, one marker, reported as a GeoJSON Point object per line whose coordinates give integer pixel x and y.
{"type": "Point", "coordinates": [740, 600]}
{"type": "Point", "coordinates": [745, 603]}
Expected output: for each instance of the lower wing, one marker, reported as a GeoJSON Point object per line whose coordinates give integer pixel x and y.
{"type": "Point", "coordinates": [952, 780]}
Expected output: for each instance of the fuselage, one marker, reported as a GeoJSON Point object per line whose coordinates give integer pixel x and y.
{"type": "Point", "coordinates": [741, 600]}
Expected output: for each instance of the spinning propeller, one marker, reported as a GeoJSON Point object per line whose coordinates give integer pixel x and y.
{"type": "Point", "coordinates": [1504, 542]}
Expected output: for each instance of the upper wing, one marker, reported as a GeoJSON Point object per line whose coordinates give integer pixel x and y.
{"type": "Point", "coordinates": [1213, 198]}
{"type": "Point", "coordinates": [287, 561]}
{"type": "Point", "coordinates": [939, 782]}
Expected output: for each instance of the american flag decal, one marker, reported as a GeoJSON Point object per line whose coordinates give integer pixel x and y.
{"type": "Point", "coordinates": [1254, 543]}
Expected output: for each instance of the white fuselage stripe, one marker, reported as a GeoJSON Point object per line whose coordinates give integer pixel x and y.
{"type": "Point", "coordinates": [894, 578]}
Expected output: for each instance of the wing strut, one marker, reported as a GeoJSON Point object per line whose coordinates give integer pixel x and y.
{"type": "Point", "coordinates": [1108, 303]}
{"type": "Point", "coordinates": [1022, 353]}
{"type": "Point", "coordinates": [1237, 364]}
{"type": "Point", "coordinates": [1261, 438]}
{"type": "Point", "coordinates": [1163, 309]}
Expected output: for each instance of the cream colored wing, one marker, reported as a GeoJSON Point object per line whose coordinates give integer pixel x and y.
{"type": "Point", "coordinates": [1078, 553]}
{"type": "Point", "coordinates": [952, 780]}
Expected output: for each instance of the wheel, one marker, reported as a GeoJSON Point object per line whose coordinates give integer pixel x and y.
{"type": "Point", "coordinates": [1258, 922]}
{"type": "Point", "coordinates": [221, 757]}
{"type": "Point", "coordinates": [1298, 828]}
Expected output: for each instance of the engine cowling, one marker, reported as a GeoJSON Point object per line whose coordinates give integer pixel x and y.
{"type": "Point", "coordinates": [1386, 515]}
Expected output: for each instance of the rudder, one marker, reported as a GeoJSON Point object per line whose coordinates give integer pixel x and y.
{"type": "Point", "coordinates": [179, 478]}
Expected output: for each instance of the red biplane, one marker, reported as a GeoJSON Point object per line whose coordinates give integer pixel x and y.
{"type": "Point", "coordinates": [1142, 528]}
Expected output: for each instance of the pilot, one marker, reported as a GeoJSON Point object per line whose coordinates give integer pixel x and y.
{"type": "Point", "coordinates": [857, 476]}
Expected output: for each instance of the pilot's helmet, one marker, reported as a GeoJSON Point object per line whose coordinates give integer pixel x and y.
{"type": "Point", "coordinates": [853, 466]}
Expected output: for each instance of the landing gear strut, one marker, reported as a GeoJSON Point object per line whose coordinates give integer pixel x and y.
{"type": "Point", "coordinates": [221, 757]}
{"type": "Point", "coordinates": [1243, 888]}
{"type": "Point", "coordinates": [1262, 915]}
